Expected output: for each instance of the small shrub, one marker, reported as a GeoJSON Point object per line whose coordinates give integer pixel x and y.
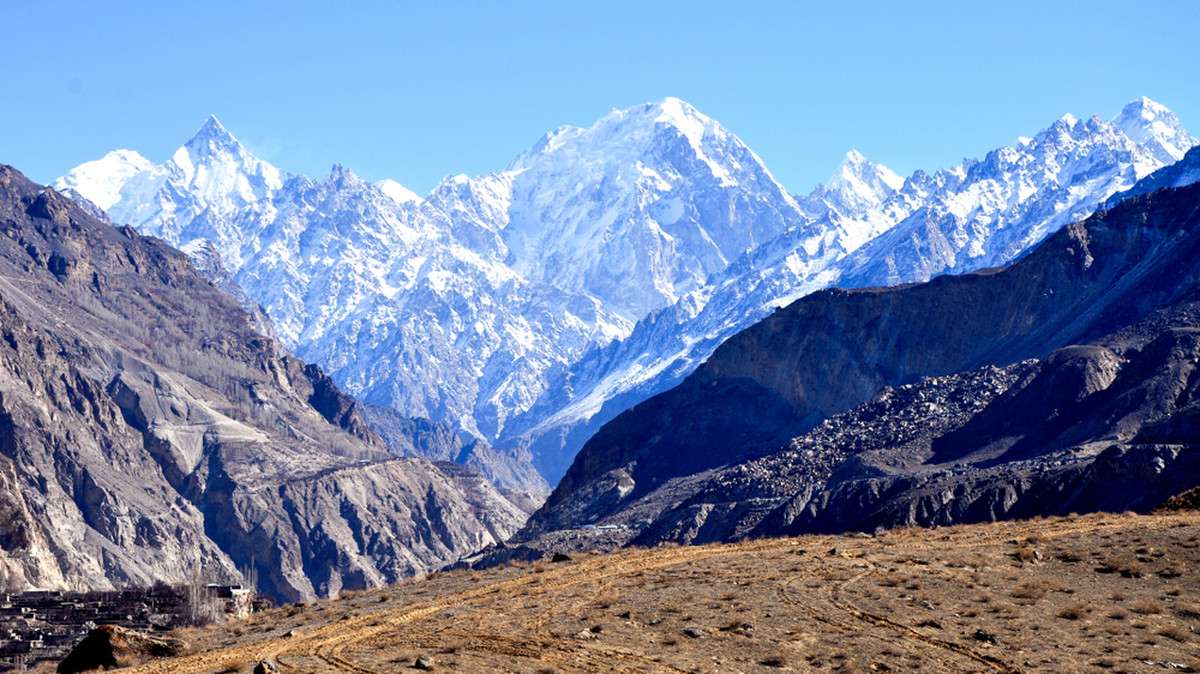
{"type": "Point", "coordinates": [1073, 612]}
{"type": "Point", "coordinates": [1032, 591]}
{"type": "Point", "coordinates": [1147, 608]}
{"type": "Point", "coordinates": [1174, 634]}
{"type": "Point", "coordinates": [1188, 611]}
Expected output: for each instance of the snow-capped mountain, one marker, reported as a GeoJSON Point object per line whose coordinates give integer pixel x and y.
{"type": "Point", "coordinates": [636, 210]}
{"type": "Point", "coordinates": [399, 193]}
{"type": "Point", "coordinates": [993, 209]}
{"type": "Point", "coordinates": [868, 230]}
{"type": "Point", "coordinates": [1156, 129]}
{"type": "Point", "coordinates": [443, 307]}
{"type": "Point", "coordinates": [529, 305]}
{"type": "Point", "coordinates": [211, 188]}
{"type": "Point", "coordinates": [103, 179]}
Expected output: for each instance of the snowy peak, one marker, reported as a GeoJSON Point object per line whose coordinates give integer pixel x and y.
{"type": "Point", "coordinates": [860, 184]}
{"type": "Point", "coordinates": [213, 144]}
{"type": "Point", "coordinates": [397, 192]}
{"type": "Point", "coordinates": [212, 136]}
{"type": "Point", "coordinates": [625, 136]}
{"type": "Point", "coordinates": [344, 178]}
{"type": "Point", "coordinates": [639, 208]}
{"type": "Point", "coordinates": [218, 172]}
{"type": "Point", "coordinates": [850, 203]}
{"type": "Point", "coordinates": [100, 181]}
{"type": "Point", "coordinates": [688, 120]}
{"type": "Point", "coordinates": [1155, 127]}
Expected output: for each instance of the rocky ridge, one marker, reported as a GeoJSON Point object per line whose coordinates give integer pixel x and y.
{"type": "Point", "coordinates": [149, 431]}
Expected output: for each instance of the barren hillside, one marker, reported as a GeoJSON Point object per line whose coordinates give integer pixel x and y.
{"type": "Point", "coordinates": [1114, 593]}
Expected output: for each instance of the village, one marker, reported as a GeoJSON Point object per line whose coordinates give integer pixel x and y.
{"type": "Point", "coordinates": [44, 625]}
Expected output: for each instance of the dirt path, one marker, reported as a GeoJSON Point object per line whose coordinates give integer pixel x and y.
{"type": "Point", "coordinates": [329, 642]}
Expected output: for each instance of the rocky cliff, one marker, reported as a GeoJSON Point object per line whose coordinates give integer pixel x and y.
{"type": "Point", "coordinates": [149, 431]}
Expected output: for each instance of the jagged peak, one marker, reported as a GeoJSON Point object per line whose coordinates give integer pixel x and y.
{"type": "Point", "coordinates": [213, 135]}
{"type": "Point", "coordinates": [854, 158]}
{"type": "Point", "coordinates": [343, 175]}
{"type": "Point", "coordinates": [1068, 119]}
{"type": "Point", "coordinates": [213, 124]}
{"type": "Point", "coordinates": [861, 181]}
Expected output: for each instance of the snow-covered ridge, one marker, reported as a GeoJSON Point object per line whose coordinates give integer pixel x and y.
{"type": "Point", "coordinates": [635, 209]}
{"type": "Point", "coordinates": [604, 263]}
{"type": "Point", "coordinates": [458, 306]}
{"type": "Point", "coordinates": [397, 191]}
{"type": "Point", "coordinates": [868, 228]}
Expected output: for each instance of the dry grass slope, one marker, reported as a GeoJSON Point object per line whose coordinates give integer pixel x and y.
{"type": "Point", "coordinates": [1101, 593]}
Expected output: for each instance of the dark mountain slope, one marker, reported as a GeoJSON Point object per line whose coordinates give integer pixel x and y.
{"type": "Point", "coordinates": [149, 432]}
{"type": "Point", "coordinates": [833, 350]}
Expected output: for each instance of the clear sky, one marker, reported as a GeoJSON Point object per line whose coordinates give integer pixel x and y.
{"type": "Point", "coordinates": [419, 91]}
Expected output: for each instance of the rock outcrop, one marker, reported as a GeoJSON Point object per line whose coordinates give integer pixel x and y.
{"type": "Point", "coordinates": [149, 431]}
{"type": "Point", "coordinates": [511, 471]}
{"type": "Point", "coordinates": [111, 646]}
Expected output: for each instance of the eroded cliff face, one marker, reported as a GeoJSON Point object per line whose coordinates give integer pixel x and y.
{"type": "Point", "coordinates": [510, 470]}
{"type": "Point", "coordinates": [1116, 285]}
{"type": "Point", "coordinates": [149, 432]}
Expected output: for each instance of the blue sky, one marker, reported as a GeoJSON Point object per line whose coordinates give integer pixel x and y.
{"type": "Point", "coordinates": [419, 91]}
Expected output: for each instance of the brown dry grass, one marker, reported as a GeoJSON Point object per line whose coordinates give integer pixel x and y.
{"type": "Point", "coordinates": [1079, 594]}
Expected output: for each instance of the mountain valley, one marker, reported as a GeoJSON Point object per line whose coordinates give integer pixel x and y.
{"type": "Point", "coordinates": [1012, 338]}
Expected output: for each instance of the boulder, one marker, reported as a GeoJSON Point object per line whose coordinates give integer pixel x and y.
{"type": "Point", "coordinates": [112, 646]}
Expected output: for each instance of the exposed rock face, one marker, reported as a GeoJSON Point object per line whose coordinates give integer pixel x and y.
{"type": "Point", "coordinates": [511, 470]}
{"type": "Point", "coordinates": [149, 431]}
{"type": "Point", "coordinates": [1095, 330]}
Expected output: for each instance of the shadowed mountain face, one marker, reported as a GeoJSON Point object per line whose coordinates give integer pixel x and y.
{"type": "Point", "coordinates": [149, 431]}
{"type": "Point", "coordinates": [741, 447]}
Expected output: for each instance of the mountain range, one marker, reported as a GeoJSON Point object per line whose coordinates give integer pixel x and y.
{"type": "Point", "coordinates": [1010, 337]}
{"type": "Point", "coordinates": [529, 306]}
